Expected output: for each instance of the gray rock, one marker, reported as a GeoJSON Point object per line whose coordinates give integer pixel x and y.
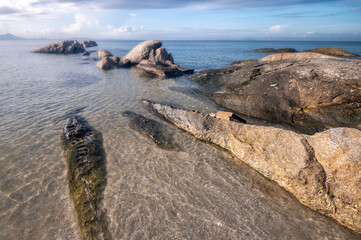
{"type": "Point", "coordinates": [308, 94]}
{"type": "Point", "coordinates": [124, 63]}
{"type": "Point", "coordinates": [142, 51]}
{"type": "Point", "coordinates": [273, 50]}
{"type": "Point", "coordinates": [103, 53]}
{"type": "Point", "coordinates": [63, 47]}
{"type": "Point", "coordinates": [86, 53]}
{"type": "Point", "coordinates": [321, 171]}
{"type": "Point", "coordinates": [106, 63]}
{"type": "Point", "coordinates": [89, 43]}
{"type": "Point", "coordinates": [333, 52]}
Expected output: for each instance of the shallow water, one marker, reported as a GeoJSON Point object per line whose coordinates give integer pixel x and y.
{"type": "Point", "coordinates": [199, 192]}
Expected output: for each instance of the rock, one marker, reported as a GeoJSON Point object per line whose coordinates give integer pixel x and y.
{"type": "Point", "coordinates": [150, 57]}
{"type": "Point", "coordinates": [333, 52]}
{"type": "Point", "coordinates": [151, 129]}
{"type": "Point", "coordinates": [103, 53]}
{"type": "Point", "coordinates": [142, 51]}
{"type": "Point", "coordinates": [89, 43]}
{"type": "Point", "coordinates": [86, 175]}
{"type": "Point", "coordinates": [272, 50]}
{"type": "Point", "coordinates": [63, 47]}
{"type": "Point", "coordinates": [114, 59]}
{"type": "Point", "coordinates": [309, 95]}
{"type": "Point", "coordinates": [124, 63]}
{"type": "Point", "coordinates": [106, 63]}
{"type": "Point", "coordinates": [244, 62]}
{"type": "Point", "coordinates": [321, 171]}
{"type": "Point", "coordinates": [229, 116]}
{"type": "Point", "coordinates": [90, 59]}
{"type": "Point", "coordinates": [289, 56]}
{"type": "Point", "coordinates": [86, 53]}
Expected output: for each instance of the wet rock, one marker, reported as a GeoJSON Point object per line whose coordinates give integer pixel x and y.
{"type": "Point", "coordinates": [294, 56]}
{"type": "Point", "coordinates": [106, 63]}
{"type": "Point", "coordinates": [115, 60]}
{"type": "Point", "coordinates": [273, 50]}
{"type": "Point", "coordinates": [151, 129]}
{"type": "Point", "coordinates": [321, 171]}
{"type": "Point", "coordinates": [86, 53]}
{"type": "Point", "coordinates": [63, 47]}
{"type": "Point", "coordinates": [86, 175]}
{"type": "Point", "coordinates": [124, 63]}
{"type": "Point", "coordinates": [150, 57]}
{"type": "Point", "coordinates": [89, 43]}
{"type": "Point", "coordinates": [103, 53]}
{"type": "Point", "coordinates": [307, 94]}
{"type": "Point", "coordinates": [333, 52]}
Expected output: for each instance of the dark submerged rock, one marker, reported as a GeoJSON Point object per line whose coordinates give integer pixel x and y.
{"type": "Point", "coordinates": [309, 94]}
{"type": "Point", "coordinates": [151, 129]}
{"type": "Point", "coordinates": [86, 175]}
{"type": "Point", "coordinates": [63, 47]}
{"type": "Point", "coordinates": [273, 50]}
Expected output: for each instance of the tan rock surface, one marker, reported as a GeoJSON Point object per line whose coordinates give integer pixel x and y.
{"type": "Point", "coordinates": [333, 52]}
{"type": "Point", "coordinates": [288, 56]}
{"type": "Point", "coordinates": [321, 171]}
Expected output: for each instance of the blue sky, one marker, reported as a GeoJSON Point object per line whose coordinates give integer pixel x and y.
{"type": "Point", "coordinates": [183, 19]}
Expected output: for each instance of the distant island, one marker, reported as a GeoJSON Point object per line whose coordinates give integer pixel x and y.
{"type": "Point", "coordinates": [9, 36]}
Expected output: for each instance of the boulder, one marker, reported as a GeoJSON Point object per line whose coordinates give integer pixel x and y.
{"type": "Point", "coordinates": [106, 63]}
{"type": "Point", "coordinates": [86, 53]}
{"type": "Point", "coordinates": [124, 63]}
{"type": "Point", "coordinates": [333, 52]}
{"type": "Point", "coordinates": [273, 50]}
{"type": "Point", "coordinates": [89, 43]}
{"type": "Point", "coordinates": [289, 56]}
{"type": "Point", "coordinates": [103, 53]}
{"type": "Point", "coordinates": [150, 57]}
{"type": "Point", "coordinates": [114, 59]}
{"type": "Point", "coordinates": [309, 95]}
{"type": "Point", "coordinates": [321, 170]}
{"type": "Point", "coordinates": [63, 47]}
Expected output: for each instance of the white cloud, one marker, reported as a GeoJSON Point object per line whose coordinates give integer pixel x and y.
{"type": "Point", "coordinates": [1, 26]}
{"type": "Point", "coordinates": [81, 21]}
{"type": "Point", "coordinates": [132, 14]}
{"type": "Point", "coordinates": [311, 33]}
{"type": "Point", "coordinates": [277, 28]}
{"type": "Point", "coordinates": [124, 29]}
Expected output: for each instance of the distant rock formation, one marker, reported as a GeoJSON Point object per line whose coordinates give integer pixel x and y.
{"type": "Point", "coordinates": [9, 36]}
{"type": "Point", "coordinates": [150, 57]}
{"type": "Point", "coordinates": [273, 50]}
{"type": "Point", "coordinates": [322, 171]}
{"type": "Point", "coordinates": [308, 94]}
{"type": "Point", "coordinates": [333, 52]}
{"type": "Point", "coordinates": [89, 43]}
{"type": "Point", "coordinates": [63, 47]}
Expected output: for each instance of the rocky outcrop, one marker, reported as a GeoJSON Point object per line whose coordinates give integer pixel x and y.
{"type": "Point", "coordinates": [103, 53]}
{"type": "Point", "coordinates": [333, 52]}
{"type": "Point", "coordinates": [308, 94]}
{"type": "Point", "coordinates": [63, 47]}
{"type": "Point", "coordinates": [108, 61]}
{"type": "Point", "coordinates": [273, 50]}
{"type": "Point", "coordinates": [321, 171]}
{"type": "Point", "coordinates": [150, 57]}
{"type": "Point", "coordinates": [86, 175]}
{"type": "Point", "coordinates": [89, 43]}
{"type": "Point", "coordinates": [294, 56]}
{"type": "Point", "coordinates": [153, 130]}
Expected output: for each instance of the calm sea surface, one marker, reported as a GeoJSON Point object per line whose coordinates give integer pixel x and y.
{"type": "Point", "coordinates": [199, 192]}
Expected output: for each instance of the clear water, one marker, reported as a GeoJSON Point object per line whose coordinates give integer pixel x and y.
{"type": "Point", "coordinates": [200, 192]}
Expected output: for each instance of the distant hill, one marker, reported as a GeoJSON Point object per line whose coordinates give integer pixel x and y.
{"type": "Point", "coordinates": [10, 37]}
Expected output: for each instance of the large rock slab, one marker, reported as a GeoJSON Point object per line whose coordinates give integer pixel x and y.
{"type": "Point", "coordinates": [294, 56]}
{"type": "Point", "coordinates": [86, 175]}
{"type": "Point", "coordinates": [321, 171]}
{"type": "Point", "coordinates": [63, 47]}
{"type": "Point", "coordinates": [333, 52]}
{"type": "Point", "coordinates": [309, 95]}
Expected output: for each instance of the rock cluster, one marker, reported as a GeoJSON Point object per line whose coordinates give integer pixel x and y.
{"type": "Point", "coordinates": [63, 47]}
{"type": "Point", "coordinates": [89, 43]}
{"type": "Point", "coordinates": [150, 57]}
{"type": "Point", "coordinates": [321, 170]}
{"type": "Point", "coordinates": [273, 50]}
{"type": "Point", "coordinates": [308, 94]}
{"type": "Point", "coordinates": [333, 52]}
{"type": "Point", "coordinates": [108, 61]}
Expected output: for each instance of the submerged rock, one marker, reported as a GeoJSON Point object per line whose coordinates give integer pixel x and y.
{"type": "Point", "coordinates": [63, 47]}
{"type": "Point", "coordinates": [273, 50]}
{"type": "Point", "coordinates": [89, 43]}
{"type": "Point", "coordinates": [86, 175]}
{"type": "Point", "coordinates": [333, 52]}
{"type": "Point", "coordinates": [308, 94]}
{"type": "Point", "coordinates": [150, 57]}
{"type": "Point", "coordinates": [321, 171]}
{"type": "Point", "coordinates": [151, 129]}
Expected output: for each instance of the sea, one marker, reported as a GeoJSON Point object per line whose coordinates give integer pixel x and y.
{"type": "Point", "coordinates": [198, 192]}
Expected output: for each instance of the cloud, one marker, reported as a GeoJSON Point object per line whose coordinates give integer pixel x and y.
{"type": "Point", "coordinates": [132, 14]}
{"type": "Point", "coordinates": [311, 33]}
{"type": "Point", "coordinates": [277, 28]}
{"type": "Point", "coordinates": [124, 29]}
{"type": "Point", "coordinates": [8, 10]}
{"type": "Point", "coordinates": [81, 21]}
{"type": "Point", "coordinates": [1, 26]}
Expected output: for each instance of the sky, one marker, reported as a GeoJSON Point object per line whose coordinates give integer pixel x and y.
{"type": "Point", "coordinates": [183, 19]}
